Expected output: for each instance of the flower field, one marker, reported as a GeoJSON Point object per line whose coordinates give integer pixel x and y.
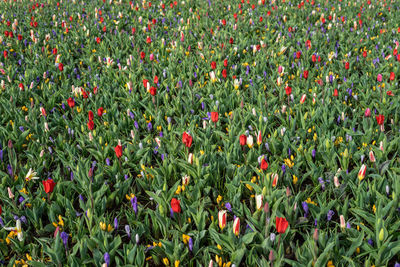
{"type": "Point", "coordinates": [199, 133]}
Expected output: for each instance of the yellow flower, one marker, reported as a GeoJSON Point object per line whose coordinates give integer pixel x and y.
{"type": "Point", "coordinates": [311, 202]}
{"type": "Point", "coordinates": [295, 179]}
{"type": "Point", "coordinates": [165, 261]}
{"type": "Point", "coordinates": [374, 208]}
{"type": "Point", "coordinates": [330, 264]}
{"type": "Point", "coordinates": [219, 198]}
{"type": "Point", "coordinates": [185, 239]}
{"type": "Point", "coordinates": [177, 263]}
{"type": "Point", "coordinates": [178, 190]}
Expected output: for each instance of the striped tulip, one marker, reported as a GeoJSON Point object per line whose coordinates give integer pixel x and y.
{"type": "Point", "coordinates": [275, 178]}
{"type": "Point", "coordinates": [361, 173]}
{"type": "Point", "coordinates": [303, 98]}
{"type": "Point", "coordinates": [249, 141]}
{"type": "Point", "coordinates": [236, 226]}
{"type": "Point", "coordinates": [342, 222]}
{"type": "Point", "coordinates": [259, 138]}
{"type": "Point", "coordinates": [222, 219]}
{"type": "Point", "coordinates": [372, 156]}
{"type": "Point", "coordinates": [259, 201]}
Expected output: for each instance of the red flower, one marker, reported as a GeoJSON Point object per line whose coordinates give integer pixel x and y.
{"type": "Point", "coordinates": [60, 66]}
{"type": "Point", "coordinates": [21, 86]}
{"type": "Point", "coordinates": [380, 119]}
{"type": "Point", "coordinates": [98, 40]}
{"type": "Point", "coordinates": [19, 37]}
{"type": "Point", "coordinates": [90, 115]}
{"type": "Point", "coordinates": [231, 40]}
{"type": "Point", "coordinates": [298, 54]}
{"type": "Point", "coordinates": [314, 58]}
{"type": "Point", "coordinates": [148, 40]}
{"type": "Point", "coordinates": [365, 54]}
{"type": "Point", "coordinates": [100, 111]}
{"type": "Point", "coordinates": [156, 79]}
{"type": "Point", "coordinates": [95, 90]}
{"type": "Point", "coordinates": [187, 139]}
{"type": "Point", "coordinates": [224, 73]}
{"type": "Point", "coordinates": [176, 205]}
{"type": "Point", "coordinates": [347, 65]}
{"type": "Point", "coordinates": [264, 164]}
{"type": "Point", "coordinates": [392, 76]}
{"type": "Point", "coordinates": [5, 54]}
{"type": "Point", "coordinates": [335, 93]}
{"type": "Point", "coordinates": [71, 102]}
{"type": "Point", "coordinates": [49, 185]}
{"type": "Point", "coordinates": [225, 63]}
{"type": "Point", "coordinates": [214, 117]}
{"type": "Point", "coordinates": [281, 225]}
{"type": "Point", "coordinates": [118, 151]}
{"type": "Point", "coordinates": [142, 55]}
{"type": "Point", "coordinates": [213, 65]}
{"type": "Point", "coordinates": [243, 139]}
{"type": "Point", "coordinates": [288, 90]}
{"type": "Point", "coordinates": [305, 74]}
{"type": "Point", "coordinates": [133, 30]}
{"type": "Point", "coordinates": [90, 125]}
{"type": "Point", "coordinates": [389, 93]}
{"type": "Point", "coordinates": [145, 83]}
{"type": "Point", "coordinates": [153, 91]}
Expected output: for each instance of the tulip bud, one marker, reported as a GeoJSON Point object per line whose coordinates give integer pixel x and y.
{"type": "Point", "coordinates": [10, 194]}
{"type": "Point", "coordinates": [137, 238]}
{"type": "Point", "coordinates": [236, 226]}
{"type": "Point", "coordinates": [342, 222]}
{"type": "Point", "coordinates": [371, 156]}
{"type": "Point", "coordinates": [315, 235]}
{"type": "Point", "coordinates": [271, 256]}
{"type": "Point", "coordinates": [381, 234]}
{"type": "Point", "coordinates": [259, 200]}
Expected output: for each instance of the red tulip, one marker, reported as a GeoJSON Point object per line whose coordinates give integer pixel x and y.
{"type": "Point", "coordinates": [213, 65]}
{"type": "Point", "coordinates": [21, 86]}
{"type": "Point", "coordinates": [176, 205]}
{"type": "Point", "coordinates": [214, 117]}
{"type": "Point", "coordinates": [145, 83]}
{"type": "Point", "coordinates": [118, 151]}
{"type": "Point", "coordinates": [281, 225]}
{"type": "Point", "coordinates": [236, 226]}
{"type": "Point", "coordinates": [90, 115]}
{"type": "Point", "coordinates": [392, 76]}
{"type": "Point", "coordinates": [335, 93]}
{"type": "Point", "coordinates": [305, 74]}
{"type": "Point", "coordinates": [389, 93]}
{"type": "Point", "coordinates": [19, 37]}
{"type": "Point", "coordinates": [60, 66]}
{"type": "Point", "coordinates": [243, 140]}
{"type": "Point", "coordinates": [5, 54]}
{"type": "Point", "coordinates": [133, 30]}
{"type": "Point", "coordinates": [314, 58]}
{"type": "Point", "coordinates": [187, 139]}
{"type": "Point", "coordinates": [71, 102]}
{"type": "Point", "coordinates": [153, 91]}
{"type": "Point", "coordinates": [142, 55]}
{"type": "Point", "coordinates": [49, 185]}
{"type": "Point", "coordinates": [155, 79]}
{"type": "Point", "coordinates": [95, 90]}
{"type": "Point", "coordinates": [288, 90]}
{"type": "Point", "coordinates": [380, 119]}
{"type": "Point", "coordinates": [264, 164]}
{"type": "Point", "coordinates": [225, 63]}
{"type": "Point", "coordinates": [347, 65]}
{"type": "Point", "coordinates": [100, 111]}
{"type": "Point", "coordinates": [365, 54]}
{"type": "Point", "coordinates": [90, 125]}
{"type": "Point", "coordinates": [224, 73]}
{"type": "Point", "coordinates": [148, 40]}
{"type": "Point", "coordinates": [298, 54]}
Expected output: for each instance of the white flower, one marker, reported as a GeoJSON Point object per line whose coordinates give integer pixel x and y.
{"type": "Point", "coordinates": [18, 229]}
{"type": "Point", "coordinates": [31, 175]}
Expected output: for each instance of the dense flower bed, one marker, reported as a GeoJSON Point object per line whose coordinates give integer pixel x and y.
{"type": "Point", "coordinates": [199, 133]}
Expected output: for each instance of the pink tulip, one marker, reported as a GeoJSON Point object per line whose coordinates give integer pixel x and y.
{"type": "Point", "coordinates": [151, 57]}
{"type": "Point", "coordinates": [379, 77]}
{"type": "Point", "coordinates": [367, 112]}
{"type": "Point", "coordinates": [280, 69]}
